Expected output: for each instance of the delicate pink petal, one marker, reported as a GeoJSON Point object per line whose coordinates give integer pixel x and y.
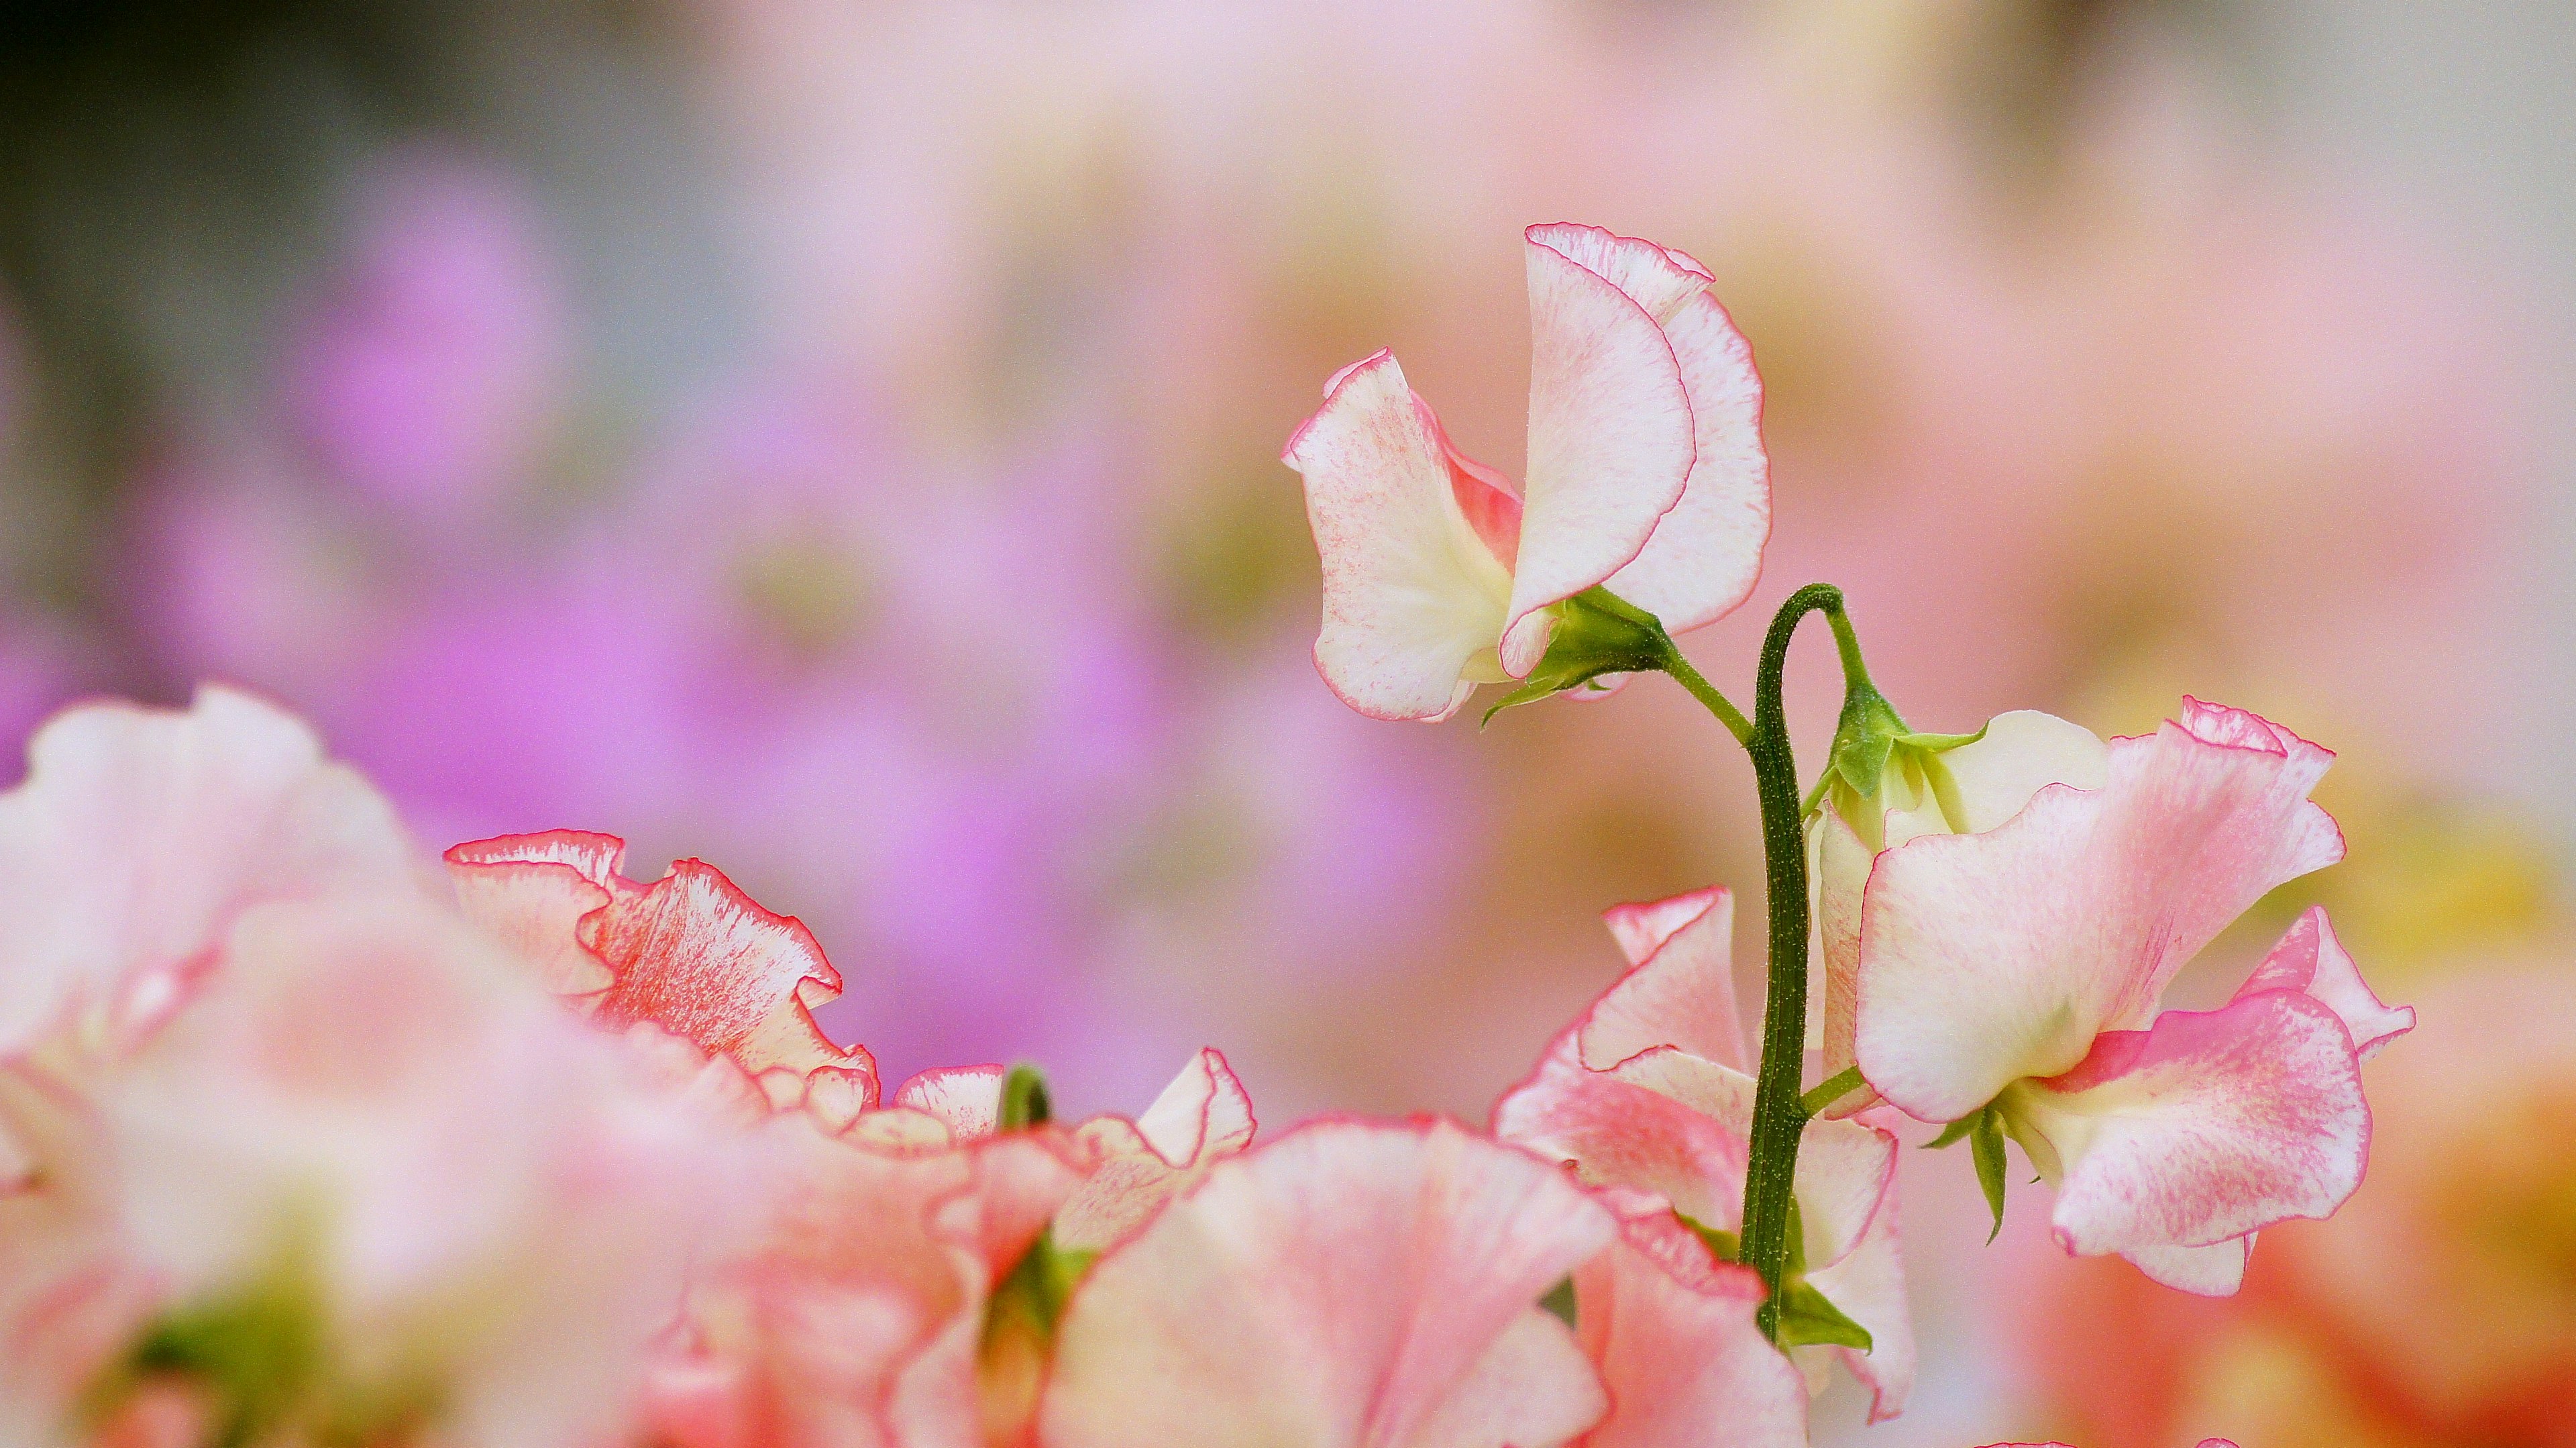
{"type": "Point", "coordinates": [695, 956]}
{"type": "Point", "coordinates": [1610, 441]}
{"type": "Point", "coordinates": [1620, 1133]}
{"type": "Point", "coordinates": [1411, 593]}
{"type": "Point", "coordinates": [1486, 498]}
{"type": "Point", "coordinates": [2216, 1270]}
{"type": "Point", "coordinates": [139, 834]}
{"type": "Point", "coordinates": [2212, 1125]}
{"type": "Point", "coordinates": [2310, 960]}
{"type": "Point", "coordinates": [1867, 1281]}
{"type": "Point", "coordinates": [531, 894]}
{"type": "Point", "coordinates": [1990, 957]}
{"type": "Point", "coordinates": [1681, 991]}
{"type": "Point", "coordinates": [1346, 1285]}
{"type": "Point", "coordinates": [1673, 1331]}
{"type": "Point", "coordinates": [1706, 553]}
{"type": "Point", "coordinates": [966, 1099]}
{"type": "Point", "coordinates": [1205, 1113]}
{"type": "Point", "coordinates": [2023, 752]}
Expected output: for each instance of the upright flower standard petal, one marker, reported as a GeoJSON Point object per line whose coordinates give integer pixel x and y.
{"type": "Point", "coordinates": [1646, 471]}
{"type": "Point", "coordinates": [2019, 970]}
{"type": "Point", "coordinates": [1348, 1286]}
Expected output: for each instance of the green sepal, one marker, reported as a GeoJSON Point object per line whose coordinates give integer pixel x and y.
{"type": "Point", "coordinates": [1597, 633]}
{"type": "Point", "coordinates": [1727, 1246]}
{"type": "Point", "coordinates": [1986, 1140]}
{"type": "Point", "coordinates": [1807, 1317]}
{"type": "Point", "coordinates": [1034, 1292]}
{"type": "Point", "coordinates": [1951, 1133]}
{"type": "Point", "coordinates": [1560, 1301]}
{"type": "Point", "coordinates": [1025, 1102]}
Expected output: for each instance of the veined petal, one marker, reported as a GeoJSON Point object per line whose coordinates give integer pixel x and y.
{"type": "Point", "coordinates": [1347, 1286]}
{"type": "Point", "coordinates": [1673, 1331]}
{"type": "Point", "coordinates": [1867, 1281]}
{"type": "Point", "coordinates": [2310, 960]}
{"type": "Point", "coordinates": [1990, 957]}
{"type": "Point", "coordinates": [1627, 1134]}
{"type": "Point", "coordinates": [1610, 441]}
{"type": "Point", "coordinates": [1706, 553]}
{"type": "Point", "coordinates": [2212, 1125]}
{"type": "Point", "coordinates": [531, 891]}
{"type": "Point", "coordinates": [1680, 990]}
{"type": "Point", "coordinates": [1410, 591]}
{"type": "Point", "coordinates": [966, 1099]}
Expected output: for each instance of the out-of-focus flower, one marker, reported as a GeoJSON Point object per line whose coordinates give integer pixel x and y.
{"type": "Point", "coordinates": [291, 1144]}
{"type": "Point", "coordinates": [2440, 1308]}
{"type": "Point", "coordinates": [689, 953]}
{"type": "Point", "coordinates": [2009, 982]}
{"type": "Point", "coordinates": [427, 377]}
{"type": "Point", "coordinates": [1346, 1285]}
{"type": "Point", "coordinates": [1647, 1091]}
{"type": "Point", "coordinates": [1646, 472]}
{"type": "Point", "coordinates": [2204, 1443]}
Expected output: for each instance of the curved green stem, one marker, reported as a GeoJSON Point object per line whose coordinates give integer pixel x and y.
{"type": "Point", "coordinates": [1706, 692]}
{"type": "Point", "coordinates": [1778, 1118]}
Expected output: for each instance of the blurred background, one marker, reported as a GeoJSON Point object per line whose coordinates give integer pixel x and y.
{"type": "Point", "coordinates": [839, 440]}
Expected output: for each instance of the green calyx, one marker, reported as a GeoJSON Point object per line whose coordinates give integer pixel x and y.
{"type": "Point", "coordinates": [1877, 762]}
{"type": "Point", "coordinates": [1597, 634]}
{"type": "Point", "coordinates": [1806, 1316]}
{"type": "Point", "coordinates": [1984, 1130]}
{"type": "Point", "coordinates": [1025, 1102]}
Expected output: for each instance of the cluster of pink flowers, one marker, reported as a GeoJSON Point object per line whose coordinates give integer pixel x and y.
{"type": "Point", "coordinates": [306, 1139]}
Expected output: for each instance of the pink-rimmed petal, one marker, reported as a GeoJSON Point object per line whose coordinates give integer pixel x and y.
{"type": "Point", "coordinates": [694, 955]}
{"type": "Point", "coordinates": [965, 1099]}
{"type": "Point", "coordinates": [139, 834]}
{"type": "Point", "coordinates": [1346, 1285]}
{"type": "Point", "coordinates": [1610, 441]}
{"type": "Point", "coordinates": [1989, 957]}
{"type": "Point", "coordinates": [1867, 1281]}
{"type": "Point", "coordinates": [1411, 593]}
{"type": "Point", "coordinates": [531, 892]}
{"type": "Point", "coordinates": [1706, 553]}
{"type": "Point", "coordinates": [1202, 1117]}
{"type": "Point", "coordinates": [2311, 961]}
{"type": "Point", "coordinates": [1680, 991]}
{"type": "Point", "coordinates": [2216, 1270]}
{"type": "Point", "coordinates": [1841, 865]}
{"type": "Point", "coordinates": [1673, 1331]}
{"type": "Point", "coordinates": [2212, 1125]}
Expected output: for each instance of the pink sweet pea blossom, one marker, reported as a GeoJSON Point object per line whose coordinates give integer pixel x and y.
{"type": "Point", "coordinates": [1647, 1093]}
{"type": "Point", "coordinates": [293, 1146]}
{"type": "Point", "coordinates": [1347, 1286]}
{"type": "Point", "coordinates": [689, 953]}
{"type": "Point", "coordinates": [2020, 969]}
{"type": "Point", "coordinates": [864, 1312]}
{"type": "Point", "coordinates": [1646, 472]}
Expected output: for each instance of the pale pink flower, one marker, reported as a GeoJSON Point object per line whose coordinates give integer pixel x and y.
{"type": "Point", "coordinates": [1647, 1092]}
{"type": "Point", "coordinates": [864, 1313]}
{"type": "Point", "coordinates": [689, 953]}
{"type": "Point", "coordinates": [2021, 968]}
{"type": "Point", "coordinates": [1349, 1284]}
{"type": "Point", "coordinates": [1646, 473]}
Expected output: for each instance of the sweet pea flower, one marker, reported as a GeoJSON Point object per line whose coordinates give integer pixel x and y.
{"type": "Point", "coordinates": [295, 1150]}
{"type": "Point", "coordinates": [1646, 474]}
{"type": "Point", "coordinates": [689, 953]}
{"type": "Point", "coordinates": [1349, 1284]}
{"type": "Point", "coordinates": [2010, 979]}
{"type": "Point", "coordinates": [1647, 1092]}
{"type": "Point", "coordinates": [872, 1310]}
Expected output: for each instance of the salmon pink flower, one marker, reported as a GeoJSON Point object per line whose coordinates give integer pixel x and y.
{"type": "Point", "coordinates": [2008, 982]}
{"type": "Point", "coordinates": [1646, 1093]}
{"type": "Point", "coordinates": [1646, 473]}
{"type": "Point", "coordinates": [689, 953]}
{"type": "Point", "coordinates": [1346, 1285]}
